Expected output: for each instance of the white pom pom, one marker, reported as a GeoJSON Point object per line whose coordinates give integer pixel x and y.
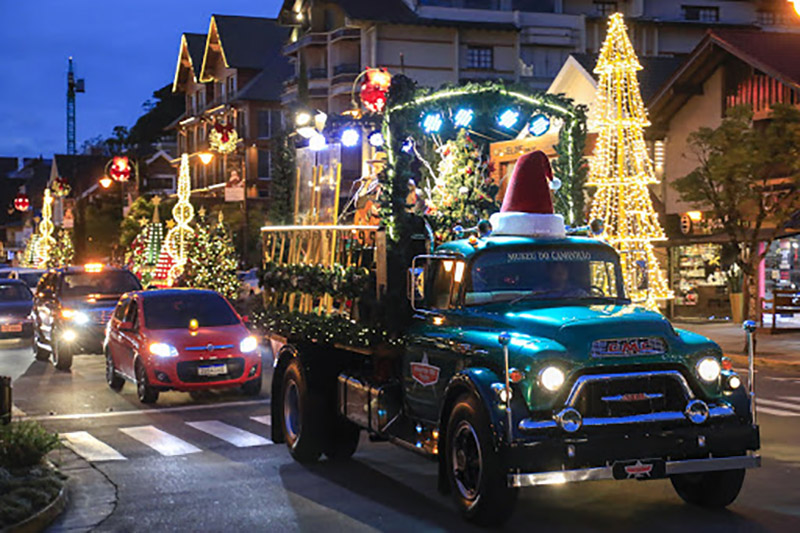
{"type": "Point", "coordinates": [463, 190]}
{"type": "Point", "coordinates": [555, 184]}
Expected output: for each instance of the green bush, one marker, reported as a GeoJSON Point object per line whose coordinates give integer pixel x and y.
{"type": "Point", "coordinates": [24, 444]}
{"type": "Point", "coordinates": [25, 491]}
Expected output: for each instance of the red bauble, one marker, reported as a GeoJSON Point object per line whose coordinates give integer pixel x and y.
{"type": "Point", "coordinates": [374, 89]}
{"type": "Point", "coordinates": [120, 169]}
{"type": "Point", "coordinates": [21, 202]}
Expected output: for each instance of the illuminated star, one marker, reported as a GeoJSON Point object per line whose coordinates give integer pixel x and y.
{"type": "Point", "coordinates": [143, 221]}
{"type": "Point", "coordinates": [170, 224]}
{"type": "Point", "coordinates": [156, 200]}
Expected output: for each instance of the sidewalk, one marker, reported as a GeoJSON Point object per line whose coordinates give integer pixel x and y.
{"type": "Point", "coordinates": [781, 351]}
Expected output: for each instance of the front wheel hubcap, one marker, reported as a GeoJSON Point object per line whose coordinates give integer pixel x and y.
{"type": "Point", "coordinates": [467, 462]}
{"type": "Point", "coordinates": [291, 411]}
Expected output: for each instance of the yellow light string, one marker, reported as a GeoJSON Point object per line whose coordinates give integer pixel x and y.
{"type": "Point", "coordinates": [46, 241]}
{"type": "Point", "coordinates": [178, 236]}
{"type": "Point", "coordinates": [621, 169]}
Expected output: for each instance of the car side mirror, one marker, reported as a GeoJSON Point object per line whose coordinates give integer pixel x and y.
{"type": "Point", "coordinates": [126, 326]}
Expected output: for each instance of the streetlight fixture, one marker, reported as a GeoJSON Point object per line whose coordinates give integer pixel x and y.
{"type": "Point", "coordinates": [796, 4]}
{"type": "Point", "coordinates": [205, 157]}
{"type": "Point", "coordinates": [105, 182]}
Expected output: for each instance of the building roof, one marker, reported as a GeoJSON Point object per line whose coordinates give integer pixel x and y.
{"type": "Point", "coordinates": [196, 45]}
{"type": "Point", "coordinates": [268, 84]}
{"type": "Point", "coordinates": [655, 71]}
{"type": "Point", "coordinates": [248, 42]}
{"type": "Point", "coordinates": [767, 51]}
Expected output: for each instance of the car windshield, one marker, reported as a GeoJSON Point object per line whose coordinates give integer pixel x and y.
{"type": "Point", "coordinates": [545, 273]}
{"type": "Point", "coordinates": [176, 311]}
{"type": "Point", "coordinates": [15, 293]}
{"type": "Point", "coordinates": [107, 282]}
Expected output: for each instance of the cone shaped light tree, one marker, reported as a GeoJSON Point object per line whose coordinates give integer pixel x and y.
{"type": "Point", "coordinates": [621, 169]}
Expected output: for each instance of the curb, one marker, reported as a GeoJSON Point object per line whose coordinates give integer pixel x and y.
{"type": "Point", "coordinates": [45, 517]}
{"type": "Point", "coordinates": [765, 362]}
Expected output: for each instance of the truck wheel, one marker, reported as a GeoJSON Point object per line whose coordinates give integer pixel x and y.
{"type": "Point", "coordinates": [62, 355]}
{"type": "Point", "coordinates": [303, 416]}
{"type": "Point", "coordinates": [709, 489]}
{"type": "Point", "coordinates": [476, 474]}
{"type": "Point", "coordinates": [114, 380]}
{"type": "Point", "coordinates": [344, 439]}
{"type": "Point", "coordinates": [144, 391]}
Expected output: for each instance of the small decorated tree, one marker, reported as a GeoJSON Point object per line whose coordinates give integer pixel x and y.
{"type": "Point", "coordinates": [62, 253]}
{"type": "Point", "coordinates": [462, 192]}
{"type": "Point", "coordinates": [211, 259]}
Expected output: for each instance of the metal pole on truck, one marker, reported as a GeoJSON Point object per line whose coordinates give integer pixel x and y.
{"type": "Point", "coordinates": [750, 327]}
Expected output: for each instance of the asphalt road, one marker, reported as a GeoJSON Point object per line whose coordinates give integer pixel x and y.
{"type": "Point", "coordinates": [207, 464]}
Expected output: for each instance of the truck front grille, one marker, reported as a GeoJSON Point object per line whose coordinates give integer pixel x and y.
{"type": "Point", "coordinates": [629, 394]}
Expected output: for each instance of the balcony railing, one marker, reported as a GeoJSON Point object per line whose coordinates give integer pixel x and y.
{"type": "Point", "coordinates": [346, 68]}
{"type": "Point", "coordinates": [317, 73]}
{"type": "Point", "coordinates": [345, 33]}
{"type": "Point", "coordinates": [309, 39]}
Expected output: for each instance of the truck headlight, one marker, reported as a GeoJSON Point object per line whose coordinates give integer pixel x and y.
{"type": "Point", "coordinates": [248, 344]}
{"type": "Point", "coordinates": [708, 368]}
{"type": "Point", "coordinates": [78, 317]}
{"type": "Point", "coordinates": [162, 349]}
{"type": "Point", "coordinates": [551, 378]}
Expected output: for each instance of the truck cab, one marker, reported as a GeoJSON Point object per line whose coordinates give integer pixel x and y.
{"type": "Point", "coordinates": [525, 364]}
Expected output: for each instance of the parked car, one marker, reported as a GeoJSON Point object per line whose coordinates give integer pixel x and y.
{"type": "Point", "coordinates": [30, 276]}
{"type": "Point", "coordinates": [249, 279]}
{"type": "Point", "coordinates": [180, 339]}
{"type": "Point", "coordinates": [16, 304]}
{"type": "Point", "coordinates": [72, 306]}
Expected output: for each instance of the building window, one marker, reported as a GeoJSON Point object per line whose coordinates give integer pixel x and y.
{"type": "Point", "coordinates": [231, 83]}
{"type": "Point", "coordinates": [264, 164]}
{"type": "Point", "coordinates": [270, 122]}
{"type": "Point", "coordinates": [700, 13]}
{"type": "Point", "coordinates": [605, 9]}
{"type": "Point", "coordinates": [480, 57]}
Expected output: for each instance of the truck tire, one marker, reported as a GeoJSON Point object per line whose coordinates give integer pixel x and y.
{"type": "Point", "coordinates": [476, 474]}
{"type": "Point", "coordinates": [343, 442]}
{"type": "Point", "coordinates": [62, 355]}
{"type": "Point", "coordinates": [303, 417]}
{"type": "Point", "coordinates": [709, 489]}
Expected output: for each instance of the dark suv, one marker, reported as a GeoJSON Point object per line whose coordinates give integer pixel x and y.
{"type": "Point", "coordinates": [71, 308]}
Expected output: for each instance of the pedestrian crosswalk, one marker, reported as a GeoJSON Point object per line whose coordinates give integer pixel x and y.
{"type": "Point", "coordinates": [112, 445]}
{"type": "Point", "coordinates": [783, 406]}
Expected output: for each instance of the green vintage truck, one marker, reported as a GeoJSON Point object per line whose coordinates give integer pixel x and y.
{"type": "Point", "coordinates": [526, 365]}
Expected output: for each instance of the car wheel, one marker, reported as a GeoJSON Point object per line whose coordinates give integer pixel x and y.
{"type": "Point", "coordinates": [62, 355]}
{"type": "Point", "coordinates": [709, 489]}
{"type": "Point", "coordinates": [144, 391]}
{"type": "Point", "coordinates": [114, 380]}
{"type": "Point", "coordinates": [303, 416]}
{"type": "Point", "coordinates": [40, 353]}
{"type": "Point", "coordinates": [252, 387]}
{"type": "Point", "coordinates": [475, 471]}
{"type": "Point", "coordinates": [344, 440]}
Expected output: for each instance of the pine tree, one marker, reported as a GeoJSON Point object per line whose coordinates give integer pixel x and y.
{"type": "Point", "coordinates": [64, 250]}
{"type": "Point", "coordinates": [211, 260]}
{"type": "Point", "coordinates": [621, 168]}
{"type": "Point", "coordinates": [462, 193]}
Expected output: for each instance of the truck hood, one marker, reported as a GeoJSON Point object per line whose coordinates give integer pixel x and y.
{"type": "Point", "coordinates": [576, 326]}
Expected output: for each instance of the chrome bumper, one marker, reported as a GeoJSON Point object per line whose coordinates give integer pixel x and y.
{"type": "Point", "coordinates": [714, 412]}
{"type": "Point", "coordinates": [688, 466]}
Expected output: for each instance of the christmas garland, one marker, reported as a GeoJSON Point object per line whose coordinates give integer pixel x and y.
{"type": "Point", "coordinates": [325, 329]}
{"type": "Point", "coordinates": [317, 280]}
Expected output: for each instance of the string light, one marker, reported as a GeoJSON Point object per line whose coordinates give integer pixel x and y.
{"type": "Point", "coordinates": [178, 237]}
{"type": "Point", "coordinates": [463, 117]}
{"type": "Point", "coordinates": [350, 137]}
{"type": "Point", "coordinates": [508, 118]}
{"type": "Point", "coordinates": [432, 123]}
{"type": "Point", "coordinates": [621, 169]}
{"type": "Point", "coordinates": [46, 242]}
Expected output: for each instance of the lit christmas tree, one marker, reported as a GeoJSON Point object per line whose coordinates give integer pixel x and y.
{"type": "Point", "coordinates": [621, 169]}
{"type": "Point", "coordinates": [30, 254]}
{"type": "Point", "coordinates": [462, 192]}
{"type": "Point", "coordinates": [211, 260]}
{"type": "Point", "coordinates": [62, 253]}
{"type": "Point", "coordinates": [146, 249]}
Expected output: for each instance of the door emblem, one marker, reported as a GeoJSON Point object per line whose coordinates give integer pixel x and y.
{"type": "Point", "coordinates": [423, 373]}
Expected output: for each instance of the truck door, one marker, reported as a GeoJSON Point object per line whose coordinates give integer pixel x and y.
{"type": "Point", "coordinates": [430, 359]}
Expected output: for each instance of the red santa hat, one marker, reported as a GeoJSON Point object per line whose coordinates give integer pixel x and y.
{"type": "Point", "coordinates": [527, 207]}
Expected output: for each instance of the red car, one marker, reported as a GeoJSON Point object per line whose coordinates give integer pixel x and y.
{"type": "Point", "coordinates": [179, 339]}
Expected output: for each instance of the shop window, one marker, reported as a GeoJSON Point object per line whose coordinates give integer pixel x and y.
{"type": "Point", "coordinates": [605, 9]}
{"type": "Point", "coordinates": [699, 283]}
{"type": "Point", "coordinates": [480, 57]}
{"type": "Point", "coordinates": [700, 13]}
{"type": "Point", "coordinates": [264, 165]}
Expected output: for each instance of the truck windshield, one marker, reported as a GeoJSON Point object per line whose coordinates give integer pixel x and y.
{"type": "Point", "coordinates": [544, 273]}
{"type": "Point", "coordinates": [79, 284]}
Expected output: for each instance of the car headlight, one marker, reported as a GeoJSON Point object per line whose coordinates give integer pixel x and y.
{"type": "Point", "coordinates": [708, 368]}
{"type": "Point", "coordinates": [77, 317]}
{"type": "Point", "coordinates": [69, 335]}
{"type": "Point", "coordinates": [162, 349]}
{"type": "Point", "coordinates": [551, 378]}
{"type": "Point", "coordinates": [248, 344]}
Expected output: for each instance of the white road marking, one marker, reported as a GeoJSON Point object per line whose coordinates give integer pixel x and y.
{"type": "Point", "coordinates": [90, 448]}
{"type": "Point", "coordinates": [775, 412]}
{"type": "Point", "coordinates": [775, 403]}
{"type": "Point", "coordinates": [160, 441]}
{"type": "Point", "coordinates": [791, 398]}
{"type": "Point", "coordinates": [238, 437]}
{"type": "Point", "coordinates": [266, 419]}
{"type": "Point", "coordinates": [154, 411]}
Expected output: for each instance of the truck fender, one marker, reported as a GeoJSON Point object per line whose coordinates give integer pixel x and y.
{"type": "Point", "coordinates": [478, 382]}
{"type": "Point", "coordinates": [285, 356]}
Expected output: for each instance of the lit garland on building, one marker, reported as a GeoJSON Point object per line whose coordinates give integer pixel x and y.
{"type": "Point", "coordinates": [177, 239]}
{"type": "Point", "coordinates": [621, 169]}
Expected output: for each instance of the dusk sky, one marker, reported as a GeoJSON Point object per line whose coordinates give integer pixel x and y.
{"type": "Point", "coordinates": [125, 50]}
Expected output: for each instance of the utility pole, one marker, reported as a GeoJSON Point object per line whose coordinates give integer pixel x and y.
{"type": "Point", "coordinates": [73, 86]}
